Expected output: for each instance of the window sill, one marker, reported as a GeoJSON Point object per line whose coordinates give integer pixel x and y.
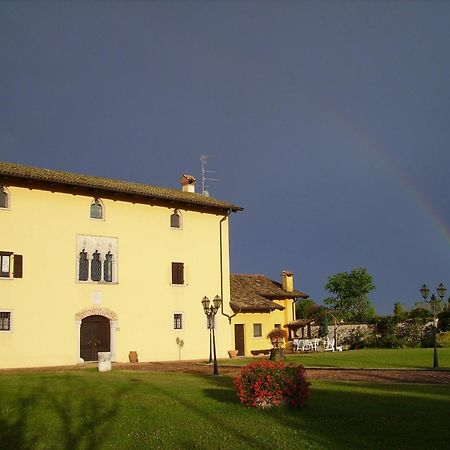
{"type": "Point", "coordinates": [97, 282]}
{"type": "Point", "coordinates": [179, 285]}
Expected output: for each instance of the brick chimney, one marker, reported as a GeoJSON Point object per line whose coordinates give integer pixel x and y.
{"type": "Point", "coordinates": [287, 281]}
{"type": "Point", "coordinates": [187, 183]}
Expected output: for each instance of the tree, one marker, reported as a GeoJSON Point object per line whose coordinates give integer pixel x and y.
{"type": "Point", "coordinates": [350, 298]}
{"type": "Point", "coordinates": [444, 320]}
{"type": "Point", "coordinates": [305, 308]}
{"type": "Point", "coordinates": [399, 310]}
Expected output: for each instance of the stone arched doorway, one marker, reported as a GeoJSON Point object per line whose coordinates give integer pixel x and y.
{"type": "Point", "coordinates": [96, 333]}
{"type": "Point", "coordinates": [94, 337]}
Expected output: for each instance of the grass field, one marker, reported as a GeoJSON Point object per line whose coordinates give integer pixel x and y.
{"type": "Point", "coordinates": [141, 410]}
{"type": "Point", "coordinates": [410, 358]}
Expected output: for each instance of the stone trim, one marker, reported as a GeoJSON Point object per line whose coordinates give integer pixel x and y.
{"type": "Point", "coordinates": [96, 312]}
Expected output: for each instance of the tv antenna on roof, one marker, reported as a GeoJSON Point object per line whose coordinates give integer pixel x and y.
{"type": "Point", "coordinates": [205, 177]}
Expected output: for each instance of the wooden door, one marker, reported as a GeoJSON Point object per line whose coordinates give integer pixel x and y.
{"type": "Point", "coordinates": [94, 337]}
{"type": "Point", "coordinates": [239, 339]}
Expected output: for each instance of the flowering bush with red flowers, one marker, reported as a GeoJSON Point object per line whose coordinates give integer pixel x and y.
{"type": "Point", "coordinates": [264, 384]}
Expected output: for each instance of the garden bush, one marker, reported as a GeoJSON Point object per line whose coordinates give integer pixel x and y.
{"type": "Point", "coordinates": [443, 339]}
{"type": "Point", "coordinates": [444, 320]}
{"type": "Point", "coordinates": [392, 332]}
{"type": "Point", "coordinates": [264, 384]}
{"type": "Point", "coordinates": [356, 339]}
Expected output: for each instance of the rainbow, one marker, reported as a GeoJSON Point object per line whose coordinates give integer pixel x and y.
{"type": "Point", "coordinates": [397, 173]}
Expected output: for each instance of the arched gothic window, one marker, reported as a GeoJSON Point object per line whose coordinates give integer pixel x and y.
{"type": "Point", "coordinates": [4, 199]}
{"type": "Point", "coordinates": [175, 220]}
{"type": "Point", "coordinates": [96, 267]}
{"type": "Point", "coordinates": [107, 268]}
{"type": "Point", "coordinates": [96, 209]}
{"type": "Point", "coordinates": [83, 266]}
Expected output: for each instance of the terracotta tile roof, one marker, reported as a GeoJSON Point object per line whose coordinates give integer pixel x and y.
{"type": "Point", "coordinates": [257, 292]}
{"type": "Point", "coordinates": [11, 172]}
{"type": "Point", "coordinates": [300, 323]}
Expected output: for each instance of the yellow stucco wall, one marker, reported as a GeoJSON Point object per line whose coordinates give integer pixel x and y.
{"type": "Point", "coordinates": [267, 321]}
{"type": "Point", "coordinates": [43, 226]}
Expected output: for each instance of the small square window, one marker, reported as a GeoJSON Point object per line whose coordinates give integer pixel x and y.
{"type": "Point", "coordinates": [5, 321]}
{"type": "Point", "coordinates": [277, 325]}
{"type": "Point", "coordinates": [178, 321]}
{"type": "Point", "coordinates": [257, 330]}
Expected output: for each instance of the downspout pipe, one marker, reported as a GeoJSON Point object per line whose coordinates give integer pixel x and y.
{"type": "Point", "coordinates": [221, 265]}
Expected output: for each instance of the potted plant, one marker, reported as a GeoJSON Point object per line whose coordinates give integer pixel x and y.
{"type": "Point", "coordinates": [277, 337]}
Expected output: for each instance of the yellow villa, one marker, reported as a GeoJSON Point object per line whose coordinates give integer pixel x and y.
{"type": "Point", "coordinates": [260, 305]}
{"type": "Point", "coordinates": [92, 264]}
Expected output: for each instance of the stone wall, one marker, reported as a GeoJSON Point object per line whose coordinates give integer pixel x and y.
{"type": "Point", "coordinates": [343, 331]}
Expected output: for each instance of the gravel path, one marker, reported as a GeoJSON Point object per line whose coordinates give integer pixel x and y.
{"type": "Point", "coordinates": [369, 375]}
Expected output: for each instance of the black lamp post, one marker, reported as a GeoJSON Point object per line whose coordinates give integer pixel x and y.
{"type": "Point", "coordinates": [211, 311]}
{"type": "Point", "coordinates": [424, 291]}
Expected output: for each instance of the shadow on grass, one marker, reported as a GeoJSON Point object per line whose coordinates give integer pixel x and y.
{"type": "Point", "coordinates": [225, 394]}
{"type": "Point", "coordinates": [13, 430]}
{"type": "Point", "coordinates": [36, 415]}
{"type": "Point", "coordinates": [350, 415]}
{"type": "Point", "coordinates": [354, 415]}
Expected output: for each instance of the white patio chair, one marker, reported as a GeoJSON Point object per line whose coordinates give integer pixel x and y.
{"type": "Point", "coordinates": [328, 345]}
{"type": "Point", "coordinates": [296, 345]}
{"type": "Point", "coordinates": [315, 344]}
{"type": "Point", "coordinates": [306, 345]}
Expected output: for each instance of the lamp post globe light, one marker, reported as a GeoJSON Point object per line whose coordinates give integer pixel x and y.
{"type": "Point", "coordinates": [424, 291]}
{"type": "Point", "coordinates": [210, 311]}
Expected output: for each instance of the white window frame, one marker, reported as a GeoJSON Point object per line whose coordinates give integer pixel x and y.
{"type": "Point", "coordinates": [6, 263]}
{"type": "Point", "coordinates": [11, 320]}
{"type": "Point", "coordinates": [261, 330]}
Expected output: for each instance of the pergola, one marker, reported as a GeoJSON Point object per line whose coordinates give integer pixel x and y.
{"type": "Point", "coordinates": [295, 326]}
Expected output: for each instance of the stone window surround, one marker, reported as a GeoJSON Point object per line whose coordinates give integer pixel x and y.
{"type": "Point", "coordinates": [102, 244]}
{"type": "Point", "coordinates": [102, 205]}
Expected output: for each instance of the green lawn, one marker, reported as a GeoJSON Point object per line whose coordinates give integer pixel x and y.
{"type": "Point", "coordinates": [141, 410]}
{"type": "Point", "coordinates": [411, 358]}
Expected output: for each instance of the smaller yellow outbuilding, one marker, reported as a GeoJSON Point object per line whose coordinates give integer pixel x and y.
{"type": "Point", "coordinates": [260, 305]}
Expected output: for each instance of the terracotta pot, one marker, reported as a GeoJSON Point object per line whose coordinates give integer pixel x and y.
{"type": "Point", "coordinates": [133, 357]}
{"type": "Point", "coordinates": [233, 353]}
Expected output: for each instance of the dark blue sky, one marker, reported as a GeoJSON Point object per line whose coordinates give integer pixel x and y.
{"type": "Point", "coordinates": [327, 121]}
